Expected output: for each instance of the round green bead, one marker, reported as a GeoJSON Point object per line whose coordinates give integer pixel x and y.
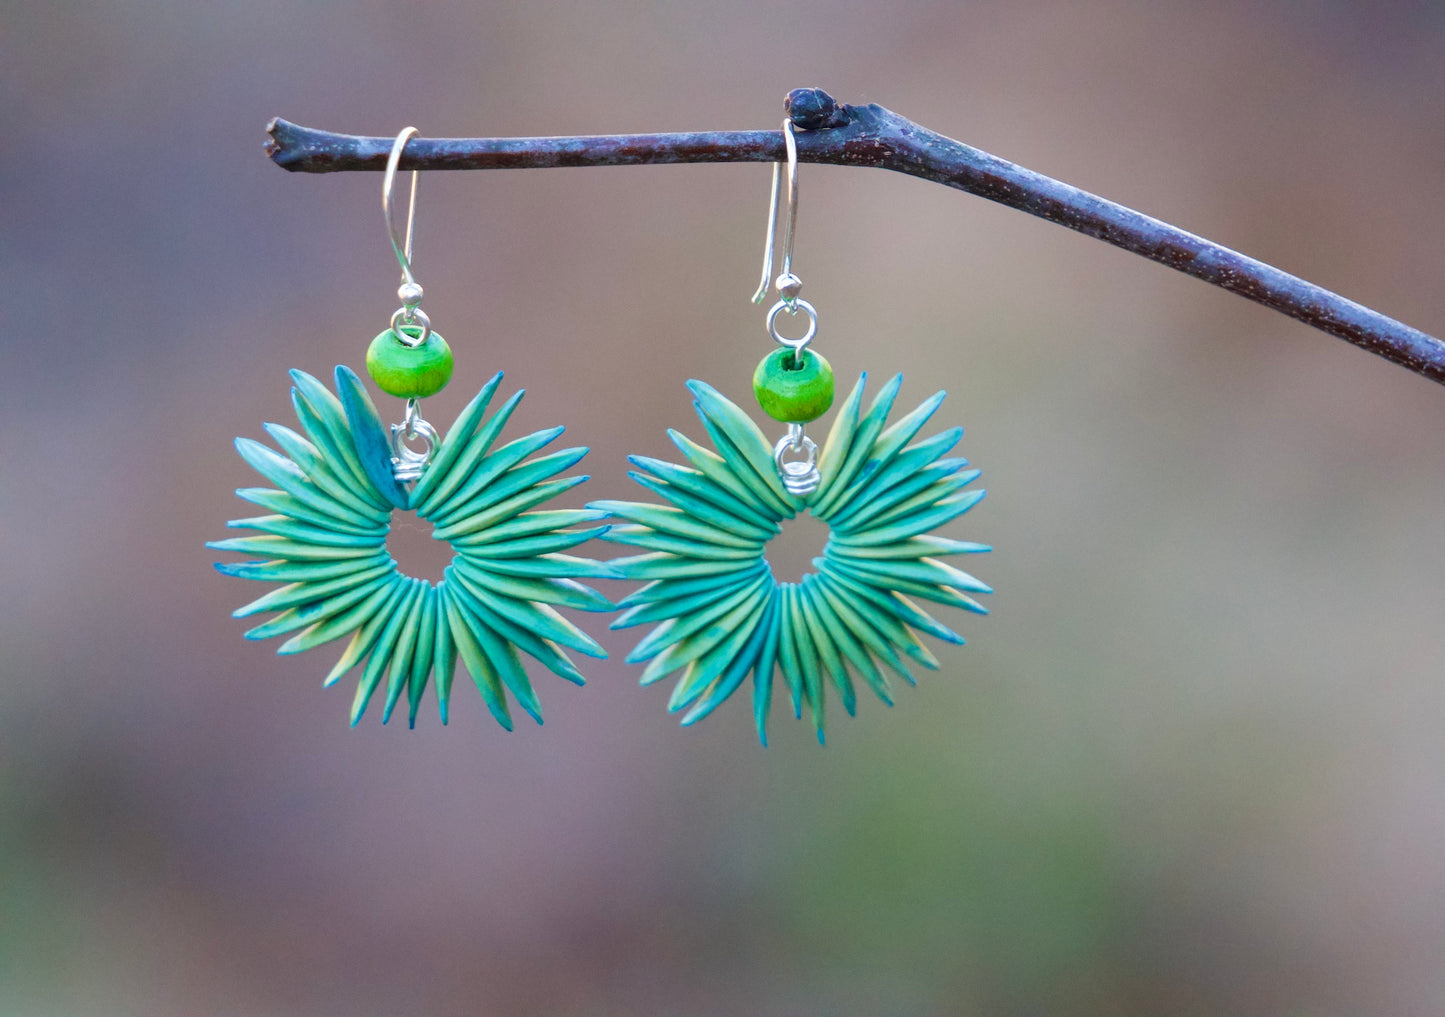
{"type": "Point", "coordinates": [794, 388]}
{"type": "Point", "coordinates": [412, 372]}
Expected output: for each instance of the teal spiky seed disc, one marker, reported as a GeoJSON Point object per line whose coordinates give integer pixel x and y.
{"type": "Point", "coordinates": [326, 539]}
{"type": "Point", "coordinates": [794, 387]}
{"type": "Point", "coordinates": [411, 372]}
{"type": "Point", "coordinates": [719, 614]}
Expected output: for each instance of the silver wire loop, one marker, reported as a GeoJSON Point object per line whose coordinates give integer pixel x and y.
{"type": "Point", "coordinates": [786, 279]}
{"type": "Point", "coordinates": [793, 308]}
{"type": "Point", "coordinates": [800, 476]}
{"type": "Point", "coordinates": [414, 316]}
{"type": "Point", "coordinates": [407, 464]}
{"type": "Point", "coordinates": [402, 249]}
{"type": "Point", "coordinates": [410, 291]}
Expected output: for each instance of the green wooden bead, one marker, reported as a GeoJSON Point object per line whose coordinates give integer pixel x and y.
{"type": "Point", "coordinates": [794, 391]}
{"type": "Point", "coordinates": [412, 372]}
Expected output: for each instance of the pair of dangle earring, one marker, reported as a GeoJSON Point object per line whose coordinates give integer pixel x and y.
{"type": "Point", "coordinates": [719, 615]}
{"type": "Point", "coordinates": [337, 487]}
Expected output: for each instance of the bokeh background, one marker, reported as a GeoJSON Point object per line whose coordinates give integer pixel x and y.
{"type": "Point", "coordinates": [1192, 763]}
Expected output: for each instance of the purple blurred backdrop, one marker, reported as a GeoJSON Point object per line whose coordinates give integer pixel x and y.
{"type": "Point", "coordinates": [1191, 765]}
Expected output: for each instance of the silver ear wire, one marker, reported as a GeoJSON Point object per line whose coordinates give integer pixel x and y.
{"type": "Point", "coordinates": [410, 291]}
{"type": "Point", "coordinates": [800, 476]}
{"type": "Point", "coordinates": [407, 463]}
{"type": "Point", "coordinates": [788, 284]}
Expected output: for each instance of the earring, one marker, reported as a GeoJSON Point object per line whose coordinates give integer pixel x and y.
{"type": "Point", "coordinates": [338, 486]}
{"type": "Point", "coordinates": [720, 613]}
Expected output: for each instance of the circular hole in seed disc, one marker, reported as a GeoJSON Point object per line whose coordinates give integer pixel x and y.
{"type": "Point", "coordinates": [791, 553]}
{"type": "Point", "coordinates": [416, 551]}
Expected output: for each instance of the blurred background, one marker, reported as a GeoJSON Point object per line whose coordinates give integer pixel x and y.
{"type": "Point", "coordinates": [1192, 763]}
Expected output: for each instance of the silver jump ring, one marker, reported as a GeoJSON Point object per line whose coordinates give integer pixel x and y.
{"type": "Point", "coordinates": [792, 307]}
{"type": "Point", "coordinates": [407, 464]}
{"type": "Point", "coordinates": [410, 316]}
{"type": "Point", "coordinates": [800, 476]}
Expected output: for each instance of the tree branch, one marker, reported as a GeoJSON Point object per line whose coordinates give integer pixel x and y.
{"type": "Point", "coordinates": [872, 136]}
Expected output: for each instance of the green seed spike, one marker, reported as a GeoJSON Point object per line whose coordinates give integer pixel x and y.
{"type": "Point", "coordinates": [788, 650]}
{"type": "Point", "coordinates": [537, 618]}
{"type": "Point", "coordinates": [373, 447]}
{"type": "Point", "coordinates": [479, 446]}
{"type": "Point", "coordinates": [488, 683]}
{"type": "Point", "coordinates": [675, 630]}
{"type": "Point", "coordinates": [649, 539]}
{"type": "Point", "coordinates": [827, 652]}
{"type": "Point", "coordinates": [750, 659]}
{"type": "Point", "coordinates": [711, 664]}
{"type": "Point", "coordinates": [703, 642]}
{"type": "Point", "coordinates": [404, 657]}
{"type": "Point", "coordinates": [564, 592]}
{"type": "Point", "coordinates": [542, 544]}
{"type": "Point", "coordinates": [918, 515]}
{"type": "Point", "coordinates": [898, 605]}
{"type": "Point", "coordinates": [285, 526]}
{"type": "Point", "coordinates": [283, 504]}
{"type": "Point", "coordinates": [365, 620]}
{"type": "Point", "coordinates": [313, 611]}
{"type": "Point", "coordinates": [326, 541]}
{"type": "Point", "coordinates": [744, 435]}
{"type": "Point", "coordinates": [665, 589]}
{"type": "Point", "coordinates": [882, 498]}
{"type": "Point", "coordinates": [808, 661]}
{"type": "Point", "coordinates": [861, 620]}
{"type": "Point", "coordinates": [481, 481]}
{"type": "Point", "coordinates": [696, 484]}
{"type": "Point", "coordinates": [296, 594]}
{"type": "Point", "coordinates": [912, 547]}
{"type": "Point", "coordinates": [840, 435]}
{"type": "Point", "coordinates": [474, 525]}
{"type": "Point", "coordinates": [423, 657]}
{"type": "Point", "coordinates": [661, 565]}
{"type": "Point", "coordinates": [847, 642]}
{"type": "Point", "coordinates": [528, 524]}
{"type": "Point", "coordinates": [860, 448]}
{"type": "Point", "coordinates": [280, 547]}
{"type": "Point", "coordinates": [890, 466]}
{"type": "Point", "coordinates": [502, 655]}
{"type": "Point", "coordinates": [763, 670]}
{"type": "Point", "coordinates": [458, 439]}
{"type": "Point", "coordinates": [725, 477]}
{"type": "Point", "coordinates": [309, 458]}
{"type": "Point", "coordinates": [888, 614]}
{"type": "Point", "coordinates": [779, 503]}
{"type": "Point", "coordinates": [383, 652]}
{"type": "Point", "coordinates": [841, 568]}
{"type": "Point", "coordinates": [331, 427]}
{"type": "Point", "coordinates": [286, 475]}
{"type": "Point", "coordinates": [718, 615]}
{"type": "Point", "coordinates": [671, 521]}
{"type": "Point", "coordinates": [444, 652]}
{"type": "Point", "coordinates": [680, 606]}
{"type": "Point", "coordinates": [551, 566]}
{"type": "Point", "coordinates": [707, 513]}
{"type": "Point", "coordinates": [297, 571]}
{"type": "Point", "coordinates": [463, 593]}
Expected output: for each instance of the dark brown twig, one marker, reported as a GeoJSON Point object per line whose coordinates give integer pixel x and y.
{"type": "Point", "coordinates": [873, 136]}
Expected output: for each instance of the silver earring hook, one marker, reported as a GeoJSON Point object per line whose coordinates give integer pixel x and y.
{"type": "Point", "coordinates": [800, 477]}
{"type": "Point", "coordinates": [410, 291]}
{"type": "Point", "coordinates": [403, 251]}
{"type": "Point", "coordinates": [788, 284]}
